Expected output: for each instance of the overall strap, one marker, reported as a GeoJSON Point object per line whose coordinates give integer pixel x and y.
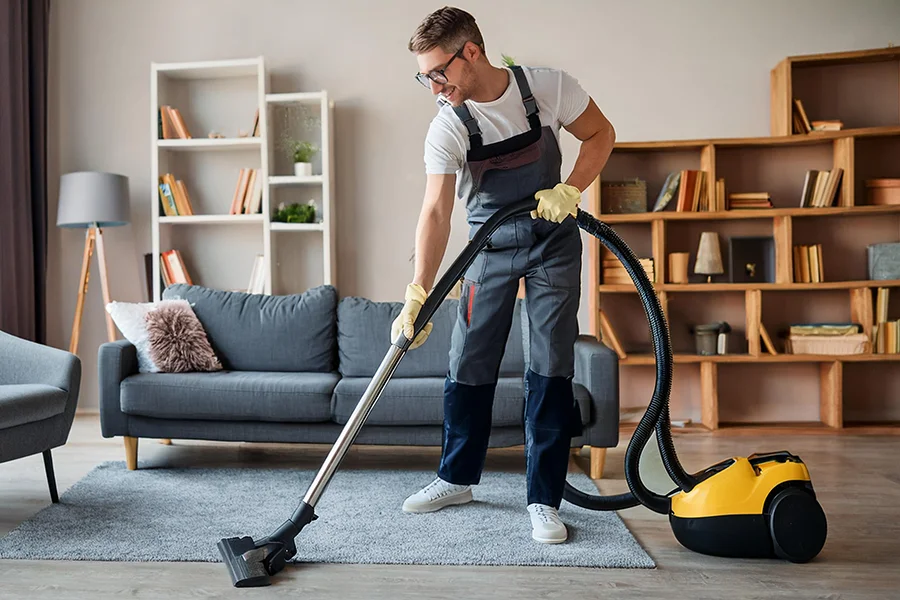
{"type": "Point", "coordinates": [471, 125]}
{"type": "Point", "coordinates": [531, 107]}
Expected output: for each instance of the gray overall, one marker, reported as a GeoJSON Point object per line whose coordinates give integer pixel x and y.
{"type": "Point", "coordinates": [548, 256]}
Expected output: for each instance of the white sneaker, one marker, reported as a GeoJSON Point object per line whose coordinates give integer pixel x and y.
{"type": "Point", "coordinates": [437, 495]}
{"type": "Point", "coordinates": [546, 526]}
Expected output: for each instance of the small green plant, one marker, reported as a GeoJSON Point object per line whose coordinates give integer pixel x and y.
{"type": "Point", "coordinates": [509, 61]}
{"type": "Point", "coordinates": [302, 151]}
{"type": "Point", "coordinates": [295, 213]}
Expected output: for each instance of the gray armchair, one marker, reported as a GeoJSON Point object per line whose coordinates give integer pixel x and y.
{"type": "Point", "coordinates": [38, 393]}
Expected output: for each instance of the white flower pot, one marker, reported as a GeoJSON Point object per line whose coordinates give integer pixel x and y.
{"type": "Point", "coordinates": [302, 169]}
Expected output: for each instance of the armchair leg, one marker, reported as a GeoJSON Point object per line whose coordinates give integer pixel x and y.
{"type": "Point", "coordinates": [131, 449]}
{"type": "Point", "coordinates": [51, 477]}
{"type": "Point", "coordinates": [598, 458]}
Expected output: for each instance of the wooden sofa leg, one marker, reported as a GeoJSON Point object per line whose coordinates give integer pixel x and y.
{"type": "Point", "coordinates": [165, 442]}
{"type": "Point", "coordinates": [598, 458]}
{"type": "Point", "coordinates": [131, 449]}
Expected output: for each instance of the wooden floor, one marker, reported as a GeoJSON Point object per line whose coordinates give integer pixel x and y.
{"type": "Point", "coordinates": [857, 479]}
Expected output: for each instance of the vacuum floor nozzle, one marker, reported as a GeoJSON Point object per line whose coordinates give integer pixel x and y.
{"type": "Point", "coordinates": [245, 561]}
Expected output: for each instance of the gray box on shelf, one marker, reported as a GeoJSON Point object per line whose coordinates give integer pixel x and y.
{"type": "Point", "coordinates": [884, 261]}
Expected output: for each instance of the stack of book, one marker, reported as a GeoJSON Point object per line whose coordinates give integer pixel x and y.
{"type": "Point", "coordinates": [801, 123]}
{"type": "Point", "coordinates": [174, 197]}
{"type": "Point", "coordinates": [749, 200]}
{"type": "Point", "coordinates": [614, 271]}
{"type": "Point", "coordinates": [173, 269]}
{"type": "Point", "coordinates": [172, 125]}
{"type": "Point", "coordinates": [827, 338]}
{"type": "Point", "coordinates": [820, 188]}
{"type": "Point", "coordinates": [886, 333]}
{"type": "Point", "coordinates": [808, 263]}
{"type": "Point", "coordinates": [247, 197]}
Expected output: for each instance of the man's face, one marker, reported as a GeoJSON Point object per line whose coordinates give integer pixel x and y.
{"type": "Point", "coordinates": [458, 80]}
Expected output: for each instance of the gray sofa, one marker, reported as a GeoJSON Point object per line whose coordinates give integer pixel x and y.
{"type": "Point", "coordinates": [39, 388]}
{"type": "Point", "coordinates": [295, 366]}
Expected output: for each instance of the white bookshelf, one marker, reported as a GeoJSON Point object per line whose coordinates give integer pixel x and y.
{"type": "Point", "coordinates": [222, 96]}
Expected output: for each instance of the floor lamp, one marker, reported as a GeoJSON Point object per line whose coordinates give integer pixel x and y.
{"type": "Point", "coordinates": [92, 200]}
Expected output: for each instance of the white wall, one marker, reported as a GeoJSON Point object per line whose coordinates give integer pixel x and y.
{"type": "Point", "coordinates": [658, 69]}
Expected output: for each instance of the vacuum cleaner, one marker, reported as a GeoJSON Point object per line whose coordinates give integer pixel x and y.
{"type": "Point", "coordinates": [759, 506]}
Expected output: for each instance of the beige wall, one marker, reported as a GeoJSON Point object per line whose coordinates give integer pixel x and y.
{"type": "Point", "coordinates": [658, 69]}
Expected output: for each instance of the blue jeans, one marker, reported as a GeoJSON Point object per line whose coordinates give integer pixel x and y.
{"type": "Point", "coordinates": [551, 420]}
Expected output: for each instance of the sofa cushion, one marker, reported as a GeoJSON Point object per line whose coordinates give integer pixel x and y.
{"type": "Point", "coordinates": [420, 401]}
{"type": "Point", "coordinates": [364, 336]}
{"type": "Point", "coordinates": [260, 332]}
{"type": "Point", "coordinates": [231, 396]}
{"type": "Point", "coordinates": [29, 402]}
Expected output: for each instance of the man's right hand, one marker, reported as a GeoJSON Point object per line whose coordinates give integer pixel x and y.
{"type": "Point", "coordinates": [405, 321]}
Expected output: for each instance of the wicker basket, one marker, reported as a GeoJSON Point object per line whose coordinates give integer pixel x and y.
{"type": "Point", "coordinates": [856, 343]}
{"type": "Point", "coordinates": [621, 197]}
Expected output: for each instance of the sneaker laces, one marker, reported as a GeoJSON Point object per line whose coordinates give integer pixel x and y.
{"type": "Point", "coordinates": [545, 514]}
{"type": "Point", "coordinates": [440, 488]}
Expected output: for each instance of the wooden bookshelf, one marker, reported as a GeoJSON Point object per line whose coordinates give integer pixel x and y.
{"type": "Point", "coordinates": [861, 88]}
{"type": "Point", "coordinates": [748, 388]}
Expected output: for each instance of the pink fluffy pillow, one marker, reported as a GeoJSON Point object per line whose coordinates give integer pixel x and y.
{"type": "Point", "coordinates": [177, 340]}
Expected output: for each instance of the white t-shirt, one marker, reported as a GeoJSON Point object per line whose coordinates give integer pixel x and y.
{"type": "Point", "coordinates": [560, 101]}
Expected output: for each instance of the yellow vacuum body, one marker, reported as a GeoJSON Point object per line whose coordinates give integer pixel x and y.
{"type": "Point", "coordinates": [761, 506]}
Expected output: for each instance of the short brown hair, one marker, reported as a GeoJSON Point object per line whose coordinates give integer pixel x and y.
{"type": "Point", "coordinates": [448, 27]}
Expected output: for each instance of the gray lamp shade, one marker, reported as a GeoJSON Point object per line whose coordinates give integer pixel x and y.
{"type": "Point", "coordinates": [88, 197]}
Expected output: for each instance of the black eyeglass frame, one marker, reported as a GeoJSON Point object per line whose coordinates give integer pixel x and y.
{"type": "Point", "coordinates": [423, 78]}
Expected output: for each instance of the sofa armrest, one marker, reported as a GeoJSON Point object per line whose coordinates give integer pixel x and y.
{"type": "Point", "coordinates": [116, 361]}
{"type": "Point", "coordinates": [597, 370]}
{"type": "Point", "coordinates": [23, 361]}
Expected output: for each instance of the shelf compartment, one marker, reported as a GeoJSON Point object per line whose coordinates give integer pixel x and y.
{"type": "Point", "coordinates": [211, 219]}
{"type": "Point", "coordinates": [871, 393]}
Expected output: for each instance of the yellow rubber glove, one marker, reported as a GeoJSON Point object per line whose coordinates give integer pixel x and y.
{"type": "Point", "coordinates": [405, 321]}
{"type": "Point", "coordinates": [557, 204]}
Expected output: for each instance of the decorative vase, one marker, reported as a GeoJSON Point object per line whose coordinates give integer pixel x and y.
{"type": "Point", "coordinates": [302, 169]}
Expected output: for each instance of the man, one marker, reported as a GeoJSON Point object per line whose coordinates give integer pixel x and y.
{"type": "Point", "coordinates": [493, 142]}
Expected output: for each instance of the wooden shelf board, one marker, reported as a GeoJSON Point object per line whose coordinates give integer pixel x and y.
{"type": "Point", "coordinates": [748, 213]}
{"type": "Point", "coordinates": [649, 358]}
{"type": "Point", "coordinates": [742, 287]}
{"type": "Point", "coordinates": [195, 144]}
{"type": "Point", "coordinates": [813, 137]}
{"type": "Point", "coordinates": [846, 57]}
{"type": "Point", "coordinates": [209, 219]}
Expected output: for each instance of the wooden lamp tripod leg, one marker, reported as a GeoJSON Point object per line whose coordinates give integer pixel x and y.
{"type": "Point", "coordinates": [104, 284]}
{"type": "Point", "coordinates": [82, 288]}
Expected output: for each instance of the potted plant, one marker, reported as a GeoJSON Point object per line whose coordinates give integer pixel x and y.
{"type": "Point", "coordinates": [302, 152]}
{"type": "Point", "coordinates": [295, 213]}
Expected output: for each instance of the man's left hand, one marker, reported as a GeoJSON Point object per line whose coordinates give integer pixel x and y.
{"type": "Point", "coordinates": [558, 203]}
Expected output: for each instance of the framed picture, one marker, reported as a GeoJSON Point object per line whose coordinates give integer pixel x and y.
{"type": "Point", "coordinates": [751, 259]}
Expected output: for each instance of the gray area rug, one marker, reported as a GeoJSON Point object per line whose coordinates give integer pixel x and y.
{"type": "Point", "coordinates": [179, 514]}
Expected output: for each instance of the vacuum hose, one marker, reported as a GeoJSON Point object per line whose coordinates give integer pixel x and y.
{"type": "Point", "coordinates": [657, 414]}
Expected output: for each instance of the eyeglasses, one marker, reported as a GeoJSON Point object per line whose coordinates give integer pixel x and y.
{"type": "Point", "coordinates": [438, 75]}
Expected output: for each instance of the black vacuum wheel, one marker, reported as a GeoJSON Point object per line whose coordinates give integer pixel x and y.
{"type": "Point", "coordinates": [797, 525]}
